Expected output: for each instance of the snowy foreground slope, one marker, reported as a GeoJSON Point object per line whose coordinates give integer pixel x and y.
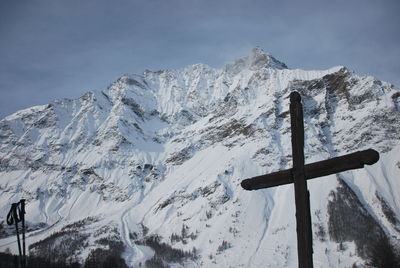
{"type": "Point", "coordinates": [150, 168]}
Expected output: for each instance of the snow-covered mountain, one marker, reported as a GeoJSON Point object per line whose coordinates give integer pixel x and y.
{"type": "Point", "coordinates": [150, 168]}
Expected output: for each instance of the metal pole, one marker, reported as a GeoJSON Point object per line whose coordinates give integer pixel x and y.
{"type": "Point", "coordinates": [14, 207]}
{"type": "Point", "coordinates": [22, 216]}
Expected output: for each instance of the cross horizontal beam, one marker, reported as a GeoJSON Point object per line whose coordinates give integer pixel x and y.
{"type": "Point", "coordinates": [318, 169]}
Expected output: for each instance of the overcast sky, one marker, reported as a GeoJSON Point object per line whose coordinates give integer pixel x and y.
{"type": "Point", "coordinates": [51, 49]}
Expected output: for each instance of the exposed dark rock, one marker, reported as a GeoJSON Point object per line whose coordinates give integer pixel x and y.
{"type": "Point", "coordinates": [148, 166]}
{"type": "Point", "coordinates": [205, 192]}
{"type": "Point", "coordinates": [184, 118]}
{"type": "Point", "coordinates": [233, 128]}
{"type": "Point", "coordinates": [133, 82]}
{"type": "Point", "coordinates": [136, 108]}
{"type": "Point", "coordinates": [45, 121]}
{"type": "Point", "coordinates": [336, 83]}
{"type": "Point", "coordinates": [226, 108]}
{"type": "Point", "coordinates": [180, 157]}
{"type": "Point", "coordinates": [388, 212]}
{"type": "Point", "coordinates": [396, 101]}
{"type": "Point", "coordinates": [209, 189]}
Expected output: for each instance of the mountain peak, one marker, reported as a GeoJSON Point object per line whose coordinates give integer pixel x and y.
{"type": "Point", "coordinates": [256, 60]}
{"type": "Point", "coordinates": [259, 59]}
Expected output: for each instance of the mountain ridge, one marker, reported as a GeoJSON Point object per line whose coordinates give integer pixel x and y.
{"type": "Point", "coordinates": [158, 158]}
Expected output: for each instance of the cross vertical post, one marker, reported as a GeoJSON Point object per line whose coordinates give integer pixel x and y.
{"type": "Point", "coordinates": [302, 198]}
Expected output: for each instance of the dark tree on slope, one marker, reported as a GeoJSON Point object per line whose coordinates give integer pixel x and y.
{"type": "Point", "coordinates": [350, 221]}
{"type": "Point", "coordinates": [8, 261]}
{"type": "Point", "coordinates": [165, 253]}
{"type": "Point", "coordinates": [100, 258]}
{"type": "Point", "coordinates": [383, 255]}
{"type": "Point", "coordinates": [60, 246]}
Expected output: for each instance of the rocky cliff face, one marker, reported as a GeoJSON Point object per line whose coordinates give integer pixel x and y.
{"type": "Point", "coordinates": [150, 168]}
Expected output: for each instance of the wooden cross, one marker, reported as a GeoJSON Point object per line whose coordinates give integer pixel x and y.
{"type": "Point", "coordinates": [299, 175]}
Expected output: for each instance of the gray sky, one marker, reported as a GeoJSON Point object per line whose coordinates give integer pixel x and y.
{"type": "Point", "coordinates": [51, 49]}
